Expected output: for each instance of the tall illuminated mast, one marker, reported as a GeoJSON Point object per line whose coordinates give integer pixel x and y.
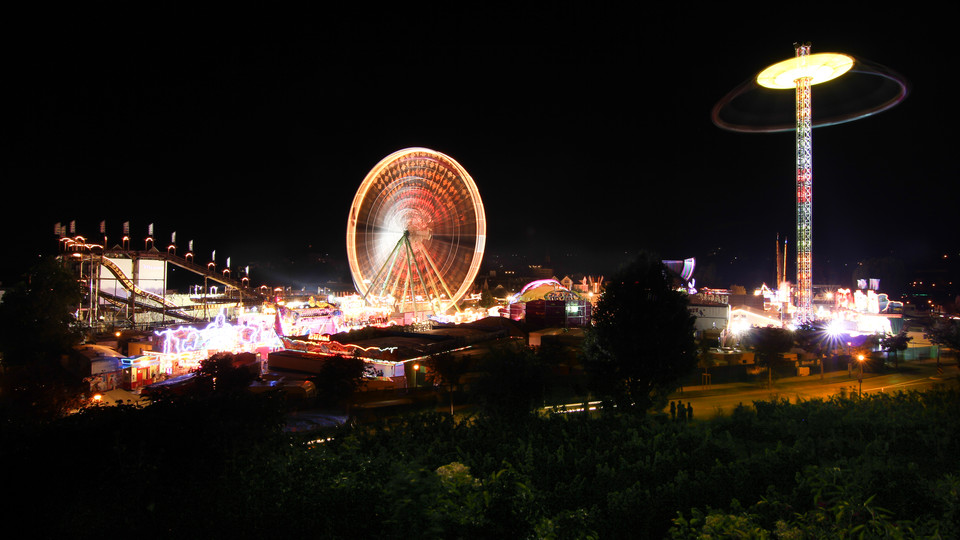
{"type": "Point", "coordinates": [800, 73]}
{"type": "Point", "coordinates": [804, 192]}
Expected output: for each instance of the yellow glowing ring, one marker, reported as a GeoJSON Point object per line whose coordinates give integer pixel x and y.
{"type": "Point", "coordinates": [865, 89]}
{"type": "Point", "coordinates": [819, 68]}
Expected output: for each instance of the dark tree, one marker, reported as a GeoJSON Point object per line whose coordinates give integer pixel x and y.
{"type": "Point", "coordinates": [339, 378]}
{"type": "Point", "coordinates": [944, 332]}
{"type": "Point", "coordinates": [565, 382]}
{"type": "Point", "coordinates": [223, 372]}
{"type": "Point", "coordinates": [37, 316]}
{"type": "Point", "coordinates": [812, 338]}
{"type": "Point", "coordinates": [38, 330]}
{"type": "Point", "coordinates": [511, 383]}
{"type": "Point", "coordinates": [446, 369]}
{"type": "Point", "coordinates": [769, 343]}
{"type": "Point", "coordinates": [895, 343]}
{"type": "Point", "coordinates": [705, 359]}
{"type": "Point", "coordinates": [642, 338]}
{"type": "Point", "coordinates": [486, 299]}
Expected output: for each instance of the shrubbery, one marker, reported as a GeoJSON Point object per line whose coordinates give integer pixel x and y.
{"type": "Point", "coordinates": [884, 464]}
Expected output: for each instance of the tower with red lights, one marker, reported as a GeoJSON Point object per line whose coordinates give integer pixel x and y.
{"type": "Point", "coordinates": [804, 190]}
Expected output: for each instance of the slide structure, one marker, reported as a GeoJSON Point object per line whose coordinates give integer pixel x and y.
{"type": "Point", "coordinates": [168, 307]}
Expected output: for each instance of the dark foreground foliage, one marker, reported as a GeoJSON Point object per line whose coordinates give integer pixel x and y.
{"type": "Point", "coordinates": [883, 465]}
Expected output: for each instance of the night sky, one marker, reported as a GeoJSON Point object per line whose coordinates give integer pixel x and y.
{"type": "Point", "coordinates": [588, 134]}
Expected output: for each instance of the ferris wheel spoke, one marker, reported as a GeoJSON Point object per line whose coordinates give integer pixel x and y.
{"type": "Point", "coordinates": [396, 281]}
{"type": "Point", "coordinates": [443, 282]}
{"type": "Point", "coordinates": [377, 232]}
{"type": "Point", "coordinates": [391, 259]}
{"type": "Point", "coordinates": [414, 274]}
{"type": "Point", "coordinates": [447, 238]}
{"type": "Point", "coordinates": [430, 282]}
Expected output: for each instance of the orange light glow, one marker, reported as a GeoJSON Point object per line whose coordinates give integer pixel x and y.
{"type": "Point", "coordinates": [819, 68]}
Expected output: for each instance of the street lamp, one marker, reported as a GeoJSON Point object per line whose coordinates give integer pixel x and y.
{"type": "Point", "coordinates": [860, 359]}
{"type": "Point", "coordinates": [416, 375]}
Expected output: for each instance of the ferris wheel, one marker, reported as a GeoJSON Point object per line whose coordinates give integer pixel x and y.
{"type": "Point", "coordinates": [416, 232]}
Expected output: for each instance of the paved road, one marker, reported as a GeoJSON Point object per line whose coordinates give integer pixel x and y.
{"type": "Point", "coordinates": [713, 400]}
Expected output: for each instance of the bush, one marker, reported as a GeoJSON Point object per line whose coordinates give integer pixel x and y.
{"type": "Point", "coordinates": [884, 464]}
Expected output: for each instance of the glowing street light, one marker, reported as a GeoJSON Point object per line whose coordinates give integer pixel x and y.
{"type": "Point", "coordinates": [860, 359]}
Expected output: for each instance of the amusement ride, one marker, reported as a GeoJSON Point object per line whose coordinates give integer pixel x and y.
{"type": "Point", "coordinates": [749, 108]}
{"type": "Point", "coordinates": [416, 233]}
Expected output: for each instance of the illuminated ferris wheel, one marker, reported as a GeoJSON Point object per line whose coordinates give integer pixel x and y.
{"type": "Point", "coordinates": [416, 232]}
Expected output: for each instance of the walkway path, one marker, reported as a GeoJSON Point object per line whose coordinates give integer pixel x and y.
{"type": "Point", "coordinates": [712, 400]}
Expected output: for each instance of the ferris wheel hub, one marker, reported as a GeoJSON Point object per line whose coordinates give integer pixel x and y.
{"type": "Point", "coordinates": [419, 235]}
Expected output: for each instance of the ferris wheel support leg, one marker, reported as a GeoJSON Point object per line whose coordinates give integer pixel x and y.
{"type": "Point", "coordinates": [388, 264]}
{"type": "Point", "coordinates": [403, 291]}
{"type": "Point", "coordinates": [436, 291]}
{"type": "Point", "coordinates": [423, 282]}
{"type": "Point", "coordinates": [440, 278]}
{"type": "Point", "coordinates": [396, 282]}
{"type": "Point", "coordinates": [409, 281]}
{"type": "Point", "coordinates": [386, 279]}
{"type": "Point", "coordinates": [390, 261]}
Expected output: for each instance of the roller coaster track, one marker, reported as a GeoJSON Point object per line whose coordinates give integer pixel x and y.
{"type": "Point", "coordinates": [130, 286]}
{"type": "Point", "coordinates": [123, 302]}
{"type": "Point", "coordinates": [165, 306]}
{"type": "Point", "coordinates": [181, 262]}
{"type": "Point", "coordinates": [195, 268]}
